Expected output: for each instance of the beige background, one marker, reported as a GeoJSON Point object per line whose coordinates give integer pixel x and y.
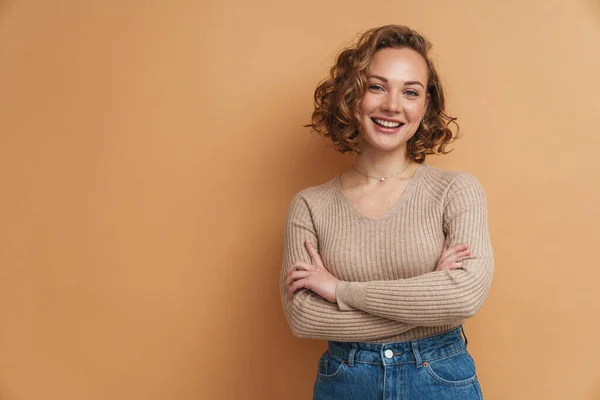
{"type": "Point", "coordinates": [149, 151]}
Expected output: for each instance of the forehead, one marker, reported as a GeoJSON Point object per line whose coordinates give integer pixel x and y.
{"type": "Point", "coordinates": [399, 65]}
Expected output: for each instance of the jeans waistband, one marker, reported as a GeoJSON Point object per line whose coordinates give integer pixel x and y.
{"type": "Point", "coordinates": [412, 351]}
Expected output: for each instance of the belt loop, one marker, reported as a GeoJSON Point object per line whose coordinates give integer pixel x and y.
{"type": "Point", "coordinates": [415, 348]}
{"type": "Point", "coordinates": [464, 335]}
{"type": "Point", "coordinates": [351, 354]}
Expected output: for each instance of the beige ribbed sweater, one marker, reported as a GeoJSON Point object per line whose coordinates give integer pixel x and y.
{"type": "Point", "coordinates": [390, 290]}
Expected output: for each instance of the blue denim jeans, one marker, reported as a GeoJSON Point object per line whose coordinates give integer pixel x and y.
{"type": "Point", "coordinates": [436, 367]}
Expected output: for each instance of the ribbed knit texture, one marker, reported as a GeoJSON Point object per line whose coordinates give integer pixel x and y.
{"type": "Point", "coordinates": [390, 290]}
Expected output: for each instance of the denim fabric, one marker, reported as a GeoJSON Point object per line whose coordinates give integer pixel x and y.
{"type": "Point", "coordinates": [436, 367]}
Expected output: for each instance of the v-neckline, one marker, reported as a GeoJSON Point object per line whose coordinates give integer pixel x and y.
{"type": "Point", "coordinates": [410, 186]}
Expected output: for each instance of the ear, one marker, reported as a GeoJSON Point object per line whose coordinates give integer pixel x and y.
{"type": "Point", "coordinates": [427, 99]}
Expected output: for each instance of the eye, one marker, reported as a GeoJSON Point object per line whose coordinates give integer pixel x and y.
{"type": "Point", "coordinates": [376, 88]}
{"type": "Point", "coordinates": [412, 93]}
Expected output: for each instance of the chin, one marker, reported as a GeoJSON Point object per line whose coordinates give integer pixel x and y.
{"type": "Point", "coordinates": [387, 144]}
{"type": "Point", "coordinates": [386, 147]}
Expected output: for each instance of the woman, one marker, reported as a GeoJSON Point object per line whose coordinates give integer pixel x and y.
{"type": "Point", "coordinates": [386, 260]}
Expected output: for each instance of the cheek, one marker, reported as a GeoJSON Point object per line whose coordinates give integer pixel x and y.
{"type": "Point", "coordinates": [414, 110]}
{"type": "Point", "coordinates": [367, 104]}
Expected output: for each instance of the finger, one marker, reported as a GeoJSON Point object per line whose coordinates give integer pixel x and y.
{"type": "Point", "coordinates": [450, 266]}
{"type": "Point", "coordinates": [447, 255]}
{"type": "Point", "coordinates": [444, 267]}
{"type": "Point", "coordinates": [295, 276]}
{"type": "Point", "coordinates": [299, 284]}
{"type": "Point", "coordinates": [314, 255]}
{"type": "Point", "coordinates": [449, 260]}
{"type": "Point", "coordinates": [300, 266]}
{"type": "Point", "coordinates": [460, 256]}
{"type": "Point", "coordinates": [452, 252]}
{"type": "Point", "coordinates": [458, 247]}
{"type": "Point", "coordinates": [463, 254]}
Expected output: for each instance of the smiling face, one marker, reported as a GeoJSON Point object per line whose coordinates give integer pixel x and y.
{"type": "Point", "coordinates": [395, 101]}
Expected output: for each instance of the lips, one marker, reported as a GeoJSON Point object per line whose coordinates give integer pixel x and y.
{"type": "Point", "coordinates": [387, 126]}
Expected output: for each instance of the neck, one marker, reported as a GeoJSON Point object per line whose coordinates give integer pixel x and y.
{"type": "Point", "coordinates": [382, 164]}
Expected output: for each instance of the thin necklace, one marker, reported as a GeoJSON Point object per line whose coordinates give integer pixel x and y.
{"type": "Point", "coordinates": [383, 178]}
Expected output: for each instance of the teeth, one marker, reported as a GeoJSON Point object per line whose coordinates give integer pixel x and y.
{"type": "Point", "coordinates": [387, 124]}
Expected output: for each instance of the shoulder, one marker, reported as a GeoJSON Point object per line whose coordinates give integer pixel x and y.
{"type": "Point", "coordinates": [447, 184]}
{"type": "Point", "coordinates": [315, 198]}
{"type": "Point", "coordinates": [446, 178]}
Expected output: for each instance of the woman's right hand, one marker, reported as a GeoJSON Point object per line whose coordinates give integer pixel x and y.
{"type": "Point", "coordinates": [451, 257]}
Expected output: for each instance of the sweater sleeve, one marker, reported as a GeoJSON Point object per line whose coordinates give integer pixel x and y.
{"type": "Point", "coordinates": [438, 297]}
{"type": "Point", "coordinates": [308, 314]}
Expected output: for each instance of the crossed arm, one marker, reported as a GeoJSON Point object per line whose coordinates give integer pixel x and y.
{"type": "Point", "coordinates": [379, 309]}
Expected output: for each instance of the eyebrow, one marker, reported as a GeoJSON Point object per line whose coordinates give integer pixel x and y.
{"type": "Point", "coordinates": [407, 83]}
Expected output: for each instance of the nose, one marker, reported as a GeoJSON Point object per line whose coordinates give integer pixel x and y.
{"type": "Point", "coordinates": [391, 104]}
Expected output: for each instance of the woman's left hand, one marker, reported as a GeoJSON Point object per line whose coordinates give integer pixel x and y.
{"type": "Point", "coordinates": [313, 277]}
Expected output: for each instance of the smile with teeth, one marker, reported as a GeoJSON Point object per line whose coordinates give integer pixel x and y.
{"type": "Point", "coordinates": [386, 124]}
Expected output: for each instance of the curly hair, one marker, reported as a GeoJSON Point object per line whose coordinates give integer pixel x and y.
{"type": "Point", "coordinates": [337, 98]}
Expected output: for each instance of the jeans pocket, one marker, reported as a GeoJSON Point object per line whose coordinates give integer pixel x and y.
{"type": "Point", "coordinates": [455, 370]}
{"type": "Point", "coordinates": [330, 366]}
